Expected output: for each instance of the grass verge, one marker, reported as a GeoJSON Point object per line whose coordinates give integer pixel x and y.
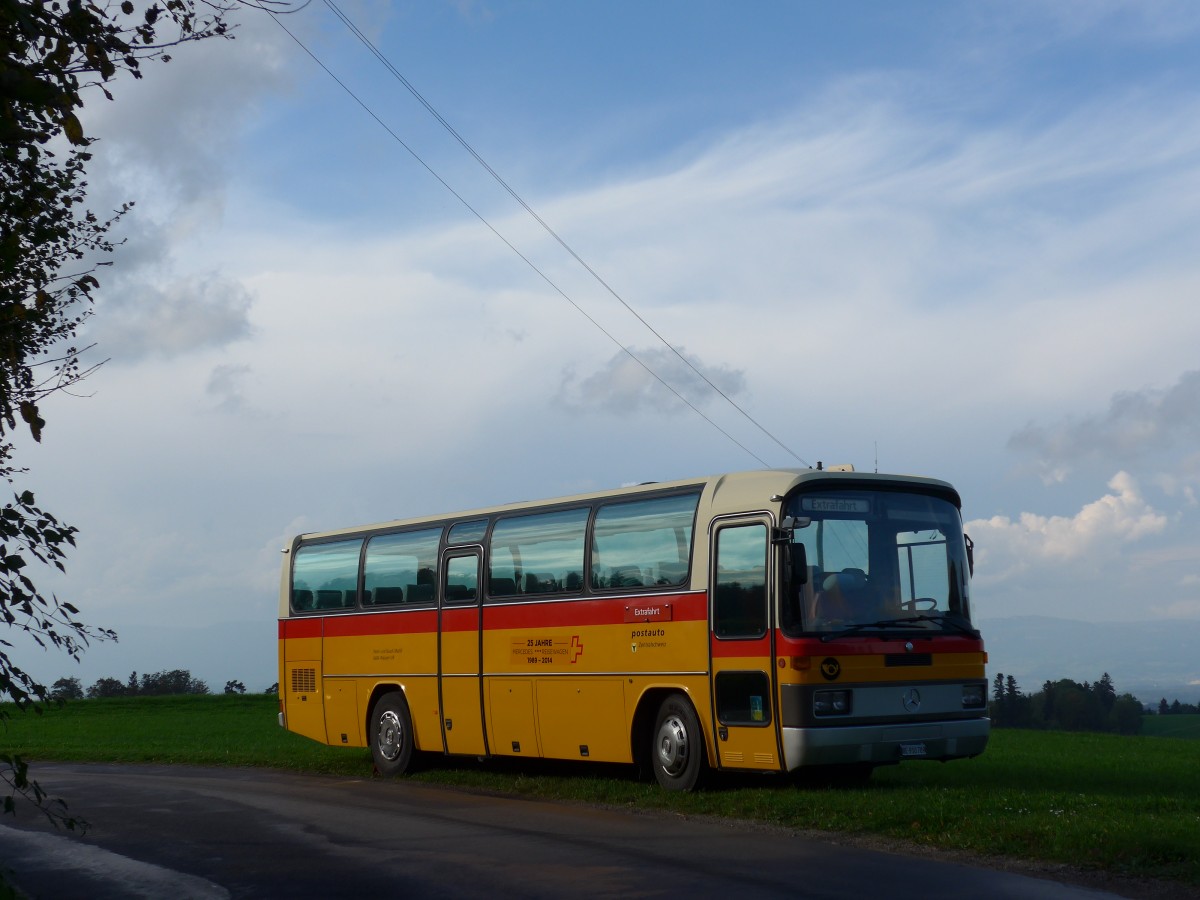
{"type": "Point", "coordinates": [1128, 806]}
{"type": "Point", "coordinates": [1184, 726]}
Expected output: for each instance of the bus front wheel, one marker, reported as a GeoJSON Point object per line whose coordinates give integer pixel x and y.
{"type": "Point", "coordinates": [391, 735]}
{"type": "Point", "coordinates": [677, 750]}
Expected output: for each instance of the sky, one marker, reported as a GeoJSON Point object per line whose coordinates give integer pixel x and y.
{"type": "Point", "coordinates": [959, 240]}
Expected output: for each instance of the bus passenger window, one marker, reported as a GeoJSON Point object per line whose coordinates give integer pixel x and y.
{"type": "Point", "coordinates": [401, 568]}
{"type": "Point", "coordinates": [643, 543]}
{"type": "Point", "coordinates": [740, 585]}
{"type": "Point", "coordinates": [537, 554]}
{"type": "Point", "coordinates": [387, 595]}
{"type": "Point", "coordinates": [502, 574]}
{"type": "Point", "coordinates": [501, 586]}
{"type": "Point", "coordinates": [462, 579]}
{"type": "Point", "coordinates": [330, 599]}
{"type": "Point", "coordinates": [468, 532]}
{"type": "Point", "coordinates": [325, 576]}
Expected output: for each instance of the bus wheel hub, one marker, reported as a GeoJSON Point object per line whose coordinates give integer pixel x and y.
{"type": "Point", "coordinates": [391, 734]}
{"type": "Point", "coordinates": [672, 745]}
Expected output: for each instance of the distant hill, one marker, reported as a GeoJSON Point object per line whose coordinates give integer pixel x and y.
{"type": "Point", "coordinates": [1151, 659]}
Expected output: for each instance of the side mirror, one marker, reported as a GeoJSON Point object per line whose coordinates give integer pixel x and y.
{"type": "Point", "coordinates": [970, 553]}
{"type": "Point", "coordinates": [795, 576]}
{"type": "Point", "coordinates": [798, 563]}
{"type": "Point", "coordinates": [783, 534]}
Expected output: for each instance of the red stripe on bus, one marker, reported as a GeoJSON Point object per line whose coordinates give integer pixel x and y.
{"type": "Point", "coordinates": [607, 611]}
{"type": "Point", "coordinates": [691, 607]}
{"type": "Point", "coordinates": [299, 628]}
{"type": "Point", "coordinates": [599, 611]}
{"type": "Point", "coordinates": [811, 647]}
{"type": "Point", "coordinates": [874, 646]}
{"type": "Point", "coordinates": [411, 622]}
{"type": "Point", "coordinates": [460, 619]}
{"type": "Point", "coordinates": [752, 647]}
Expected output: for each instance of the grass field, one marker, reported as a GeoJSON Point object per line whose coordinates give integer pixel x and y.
{"type": "Point", "coordinates": [1125, 805]}
{"type": "Point", "coordinates": [1172, 726]}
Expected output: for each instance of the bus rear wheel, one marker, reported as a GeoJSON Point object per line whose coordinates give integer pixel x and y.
{"type": "Point", "coordinates": [391, 735]}
{"type": "Point", "coordinates": [677, 746]}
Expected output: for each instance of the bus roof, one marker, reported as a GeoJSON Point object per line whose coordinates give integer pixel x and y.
{"type": "Point", "coordinates": [761, 489]}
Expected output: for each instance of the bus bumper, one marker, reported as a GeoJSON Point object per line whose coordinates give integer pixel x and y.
{"type": "Point", "coordinates": [882, 744]}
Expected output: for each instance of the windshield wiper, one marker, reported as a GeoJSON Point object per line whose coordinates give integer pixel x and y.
{"type": "Point", "coordinates": [954, 622]}
{"type": "Point", "coordinates": [945, 621]}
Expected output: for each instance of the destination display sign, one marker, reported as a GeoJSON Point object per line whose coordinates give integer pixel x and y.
{"type": "Point", "coordinates": [835, 505]}
{"type": "Point", "coordinates": [648, 611]}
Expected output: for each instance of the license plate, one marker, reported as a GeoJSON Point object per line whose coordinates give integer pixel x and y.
{"type": "Point", "coordinates": [907, 750]}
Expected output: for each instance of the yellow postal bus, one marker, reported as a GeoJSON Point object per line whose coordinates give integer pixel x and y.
{"type": "Point", "coordinates": [761, 621]}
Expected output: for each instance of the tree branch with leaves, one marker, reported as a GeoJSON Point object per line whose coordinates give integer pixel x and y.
{"type": "Point", "coordinates": [52, 247]}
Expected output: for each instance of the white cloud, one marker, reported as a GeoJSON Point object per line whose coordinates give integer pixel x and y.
{"type": "Point", "coordinates": [630, 382]}
{"type": "Point", "coordinates": [1180, 609]}
{"type": "Point", "coordinates": [225, 386]}
{"type": "Point", "coordinates": [1008, 548]}
{"type": "Point", "coordinates": [138, 320]}
{"type": "Point", "coordinates": [170, 143]}
{"type": "Point", "coordinates": [474, 12]}
{"type": "Point", "coordinates": [1136, 422]}
{"type": "Point", "coordinates": [169, 137]}
{"type": "Point", "coordinates": [880, 277]}
{"type": "Point", "coordinates": [1119, 21]}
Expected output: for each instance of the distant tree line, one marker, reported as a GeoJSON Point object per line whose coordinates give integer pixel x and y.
{"type": "Point", "coordinates": [151, 684]}
{"type": "Point", "coordinates": [1177, 709]}
{"type": "Point", "coordinates": [156, 684]}
{"type": "Point", "coordinates": [1065, 705]}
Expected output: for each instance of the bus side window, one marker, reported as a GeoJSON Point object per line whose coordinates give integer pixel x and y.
{"type": "Point", "coordinates": [502, 572]}
{"type": "Point", "coordinates": [538, 553]}
{"type": "Point", "coordinates": [462, 577]}
{"type": "Point", "coordinates": [643, 543]}
{"type": "Point", "coordinates": [386, 595]}
{"type": "Point", "coordinates": [325, 576]}
{"type": "Point", "coordinates": [671, 572]}
{"type": "Point", "coordinates": [740, 585]}
{"type": "Point", "coordinates": [401, 567]}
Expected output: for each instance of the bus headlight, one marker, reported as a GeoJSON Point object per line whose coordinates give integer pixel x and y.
{"type": "Point", "coordinates": [831, 703]}
{"type": "Point", "coordinates": [974, 696]}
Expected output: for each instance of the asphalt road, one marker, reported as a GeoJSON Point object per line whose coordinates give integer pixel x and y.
{"type": "Point", "coordinates": [180, 832]}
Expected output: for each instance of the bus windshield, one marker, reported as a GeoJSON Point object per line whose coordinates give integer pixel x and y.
{"type": "Point", "coordinates": [875, 561]}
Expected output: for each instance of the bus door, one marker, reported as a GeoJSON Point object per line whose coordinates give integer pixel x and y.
{"type": "Point", "coordinates": [742, 644]}
{"type": "Point", "coordinates": [460, 678]}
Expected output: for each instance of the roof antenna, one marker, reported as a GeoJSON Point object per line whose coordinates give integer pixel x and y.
{"type": "Point", "coordinates": [877, 457]}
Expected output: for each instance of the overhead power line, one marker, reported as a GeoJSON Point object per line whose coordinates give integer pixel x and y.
{"type": "Point", "coordinates": [366, 42]}
{"type": "Point", "coordinates": [513, 248]}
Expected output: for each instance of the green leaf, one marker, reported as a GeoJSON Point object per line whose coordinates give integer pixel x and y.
{"type": "Point", "coordinates": [29, 412]}
{"type": "Point", "coordinates": [73, 130]}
